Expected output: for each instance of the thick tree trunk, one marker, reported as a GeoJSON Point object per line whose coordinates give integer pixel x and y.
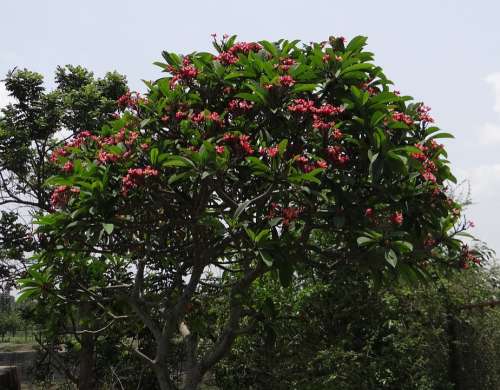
{"type": "Point", "coordinates": [192, 379]}
{"type": "Point", "coordinates": [9, 378]}
{"type": "Point", "coordinates": [86, 378]}
{"type": "Point", "coordinates": [86, 372]}
{"type": "Point", "coordinates": [164, 379]}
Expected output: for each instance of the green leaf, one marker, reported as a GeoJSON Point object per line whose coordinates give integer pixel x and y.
{"type": "Point", "coordinates": [404, 246]}
{"type": "Point", "coordinates": [249, 96]}
{"type": "Point", "coordinates": [364, 241]}
{"type": "Point", "coordinates": [178, 161]}
{"type": "Point", "coordinates": [357, 67]}
{"type": "Point", "coordinates": [304, 87]}
{"type": "Point", "coordinates": [153, 155]}
{"type": "Point", "coordinates": [262, 234]}
{"type": "Point", "coordinates": [108, 227]}
{"type": "Point", "coordinates": [282, 147]}
{"type": "Point", "coordinates": [26, 293]}
{"type": "Point", "coordinates": [376, 118]}
{"type": "Point", "coordinates": [270, 47]}
{"type": "Point", "coordinates": [391, 257]}
{"type": "Point", "coordinates": [242, 208]}
{"type": "Point", "coordinates": [441, 135]}
{"type": "Point", "coordinates": [266, 258]}
{"type": "Point", "coordinates": [356, 43]}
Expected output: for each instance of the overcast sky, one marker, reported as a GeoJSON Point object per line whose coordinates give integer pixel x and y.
{"type": "Point", "coordinates": [445, 53]}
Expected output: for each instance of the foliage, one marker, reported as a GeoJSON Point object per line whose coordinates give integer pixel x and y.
{"type": "Point", "coordinates": [348, 335]}
{"type": "Point", "coordinates": [230, 170]}
{"type": "Point", "coordinates": [37, 122]}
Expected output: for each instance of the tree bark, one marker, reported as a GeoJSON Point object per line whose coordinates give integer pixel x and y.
{"type": "Point", "coordinates": [163, 378]}
{"type": "Point", "coordinates": [86, 378]}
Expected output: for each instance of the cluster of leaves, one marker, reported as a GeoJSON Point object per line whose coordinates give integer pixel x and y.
{"type": "Point", "coordinates": [401, 337]}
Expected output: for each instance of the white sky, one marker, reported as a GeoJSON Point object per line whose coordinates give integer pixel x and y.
{"type": "Point", "coordinates": [443, 52]}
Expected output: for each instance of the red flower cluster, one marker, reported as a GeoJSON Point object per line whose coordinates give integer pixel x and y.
{"type": "Point", "coordinates": [337, 155]}
{"type": "Point", "coordinates": [236, 105]}
{"type": "Point", "coordinates": [467, 257]}
{"type": "Point", "coordinates": [289, 214]}
{"type": "Point", "coordinates": [59, 152]}
{"type": "Point", "coordinates": [135, 177]}
{"type": "Point", "coordinates": [245, 47]}
{"type": "Point", "coordinates": [202, 117]}
{"type": "Point", "coordinates": [219, 149]}
{"type": "Point", "coordinates": [128, 100]}
{"type": "Point", "coordinates": [230, 57]}
{"type": "Point", "coordinates": [68, 167]}
{"type": "Point", "coordinates": [302, 106]}
{"type": "Point", "coordinates": [271, 151]}
{"type": "Point", "coordinates": [226, 58]}
{"type": "Point", "coordinates": [186, 72]}
{"type": "Point", "coordinates": [401, 117]}
{"type": "Point", "coordinates": [428, 166]}
{"type": "Point", "coordinates": [423, 114]}
{"type": "Point", "coordinates": [320, 124]}
{"type": "Point", "coordinates": [307, 165]}
{"type": "Point", "coordinates": [287, 81]}
{"type": "Point", "coordinates": [397, 218]}
{"type": "Point", "coordinates": [337, 134]}
{"type": "Point", "coordinates": [286, 64]}
{"type": "Point", "coordinates": [180, 115]}
{"type": "Point", "coordinates": [61, 195]}
{"type": "Point", "coordinates": [105, 157]}
{"type": "Point", "coordinates": [241, 142]}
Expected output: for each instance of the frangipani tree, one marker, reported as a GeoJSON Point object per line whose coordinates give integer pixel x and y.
{"type": "Point", "coordinates": [235, 165]}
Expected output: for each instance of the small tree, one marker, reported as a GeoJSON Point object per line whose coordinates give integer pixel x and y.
{"type": "Point", "coordinates": [232, 167]}
{"type": "Point", "coordinates": [31, 127]}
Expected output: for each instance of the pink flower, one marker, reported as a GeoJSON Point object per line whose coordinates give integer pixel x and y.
{"type": "Point", "coordinates": [219, 149]}
{"type": "Point", "coordinates": [239, 105]}
{"type": "Point", "coordinates": [68, 167]}
{"type": "Point", "coordinates": [144, 146]}
{"type": "Point", "coordinates": [301, 106]}
{"type": "Point", "coordinates": [135, 177]}
{"type": "Point", "coordinates": [423, 112]}
{"type": "Point", "coordinates": [179, 115]}
{"type": "Point", "coordinates": [105, 157]}
{"type": "Point", "coordinates": [429, 176]}
{"type": "Point", "coordinates": [287, 81]}
{"type": "Point", "coordinates": [61, 195]}
{"type": "Point", "coordinates": [369, 213]}
{"type": "Point", "coordinates": [245, 144]}
{"type": "Point", "coordinates": [321, 164]}
{"type": "Point", "coordinates": [401, 117]}
{"type": "Point", "coordinates": [337, 134]}
{"type": "Point", "coordinates": [227, 58]}
{"type": "Point", "coordinates": [397, 218]}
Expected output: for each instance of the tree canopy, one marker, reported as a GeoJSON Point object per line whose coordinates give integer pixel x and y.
{"type": "Point", "coordinates": [261, 159]}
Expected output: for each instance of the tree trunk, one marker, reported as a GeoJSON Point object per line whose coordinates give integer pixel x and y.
{"type": "Point", "coordinates": [192, 379]}
{"type": "Point", "coordinates": [86, 378]}
{"type": "Point", "coordinates": [164, 379]}
{"type": "Point", "coordinates": [86, 374]}
{"type": "Point", "coordinates": [9, 378]}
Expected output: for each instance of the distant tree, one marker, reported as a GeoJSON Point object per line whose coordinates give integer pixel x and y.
{"type": "Point", "coordinates": [31, 127]}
